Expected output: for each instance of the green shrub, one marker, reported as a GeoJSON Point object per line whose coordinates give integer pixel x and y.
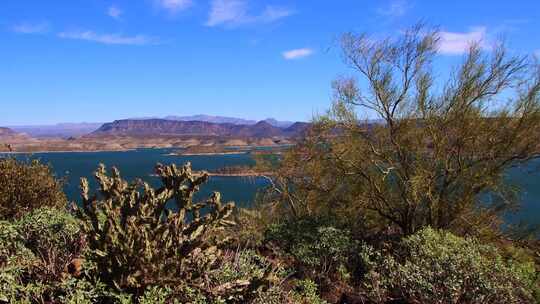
{"type": "Point", "coordinates": [82, 291]}
{"type": "Point", "coordinates": [11, 244]}
{"type": "Point", "coordinates": [34, 253]}
{"type": "Point", "coordinates": [54, 236]}
{"type": "Point", "coordinates": [273, 295]}
{"type": "Point", "coordinates": [25, 186]}
{"type": "Point", "coordinates": [14, 260]}
{"type": "Point", "coordinates": [245, 268]}
{"type": "Point", "coordinates": [307, 293]}
{"type": "Point", "coordinates": [439, 267]}
{"type": "Point", "coordinates": [156, 295]}
{"type": "Point", "coordinates": [319, 247]}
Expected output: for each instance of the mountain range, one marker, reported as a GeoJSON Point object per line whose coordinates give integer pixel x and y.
{"type": "Point", "coordinates": [7, 133]}
{"type": "Point", "coordinates": [167, 127]}
{"type": "Point", "coordinates": [128, 134]}
{"type": "Point", "coordinates": [66, 130]}
{"type": "Point", "coordinates": [231, 120]}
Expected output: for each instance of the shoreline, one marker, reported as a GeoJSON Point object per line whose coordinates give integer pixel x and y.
{"type": "Point", "coordinates": [253, 174]}
{"type": "Point", "coordinates": [208, 154]}
{"type": "Point", "coordinates": [66, 151]}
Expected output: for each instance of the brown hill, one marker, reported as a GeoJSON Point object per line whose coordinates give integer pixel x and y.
{"type": "Point", "coordinates": [6, 132]}
{"type": "Point", "coordinates": [163, 127]}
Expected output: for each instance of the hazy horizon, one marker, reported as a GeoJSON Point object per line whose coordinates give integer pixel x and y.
{"type": "Point", "coordinates": [144, 118]}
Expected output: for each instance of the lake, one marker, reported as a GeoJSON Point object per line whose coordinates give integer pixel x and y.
{"type": "Point", "coordinates": [140, 164]}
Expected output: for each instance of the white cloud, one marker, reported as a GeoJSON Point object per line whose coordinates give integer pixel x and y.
{"type": "Point", "coordinates": [397, 8]}
{"type": "Point", "coordinates": [235, 13]}
{"type": "Point", "coordinates": [297, 53]}
{"type": "Point", "coordinates": [537, 53]}
{"type": "Point", "coordinates": [174, 6]}
{"type": "Point", "coordinates": [455, 43]}
{"type": "Point", "coordinates": [31, 28]}
{"type": "Point", "coordinates": [272, 13]}
{"type": "Point", "coordinates": [114, 12]}
{"type": "Point", "coordinates": [107, 38]}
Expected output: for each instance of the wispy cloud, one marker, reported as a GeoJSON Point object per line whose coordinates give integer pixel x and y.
{"type": "Point", "coordinates": [114, 12]}
{"type": "Point", "coordinates": [31, 28]}
{"type": "Point", "coordinates": [457, 43]}
{"type": "Point", "coordinates": [297, 53]}
{"type": "Point", "coordinates": [108, 38]}
{"type": "Point", "coordinates": [236, 12]}
{"type": "Point", "coordinates": [173, 6]}
{"type": "Point", "coordinates": [396, 8]}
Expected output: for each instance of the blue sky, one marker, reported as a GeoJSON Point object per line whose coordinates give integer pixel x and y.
{"type": "Point", "coordinates": [97, 60]}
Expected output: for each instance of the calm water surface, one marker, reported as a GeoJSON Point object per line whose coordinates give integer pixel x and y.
{"type": "Point", "coordinates": [140, 163]}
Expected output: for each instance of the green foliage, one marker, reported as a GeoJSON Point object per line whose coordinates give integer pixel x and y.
{"type": "Point", "coordinates": [11, 244]}
{"type": "Point", "coordinates": [82, 291]}
{"type": "Point", "coordinates": [247, 272]}
{"type": "Point", "coordinates": [14, 259]}
{"type": "Point", "coordinates": [241, 266]}
{"type": "Point", "coordinates": [25, 186]}
{"type": "Point", "coordinates": [34, 253]}
{"type": "Point", "coordinates": [156, 295]}
{"type": "Point", "coordinates": [319, 247]}
{"type": "Point", "coordinates": [307, 292]}
{"type": "Point", "coordinates": [434, 149]}
{"type": "Point", "coordinates": [54, 236]}
{"type": "Point", "coordinates": [136, 243]}
{"type": "Point", "coordinates": [439, 267]}
{"type": "Point", "coordinates": [274, 295]}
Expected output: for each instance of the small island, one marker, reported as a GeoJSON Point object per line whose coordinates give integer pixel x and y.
{"type": "Point", "coordinates": [207, 150]}
{"type": "Point", "coordinates": [238, 171]}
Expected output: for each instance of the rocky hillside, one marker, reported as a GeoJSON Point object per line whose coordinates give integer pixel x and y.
{"type": "Point", "coordinates": [6, 132]}
{"type": "Point", "coordinates": [163, 127]}
{"type": "Point", "coordinates": [9, 134]}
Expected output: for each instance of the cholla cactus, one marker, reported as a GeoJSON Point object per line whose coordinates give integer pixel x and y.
{"type": "Point", "coordinates": [136, 242]}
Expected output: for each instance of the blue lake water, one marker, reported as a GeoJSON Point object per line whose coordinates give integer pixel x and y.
{"type": "Point", "coordinates": [140, 164]}
{"type": "Point", "coordinates": [71, 166]}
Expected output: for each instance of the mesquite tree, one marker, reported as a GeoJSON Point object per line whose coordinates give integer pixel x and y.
{"type": "Point", "coordinates": [438, 149]}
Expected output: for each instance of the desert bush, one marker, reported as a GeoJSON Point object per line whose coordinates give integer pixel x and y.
{"type": "Point", "coordinates": [319, 248]}
{"type": "Point", "coordinates": [246, 268]}
{"type": "Point", "coordinates": [136, 242]}
{"type": "Point", "coordinates": [156, 295]}
{"type": "Point", "coordinates": [34, 253]}
{"type": "Point", "coordinates": [54, 236]}
{"type": "Point", "coordinates": [240, 265]}
{"type": "Point", "coordinates": [25, 186]}
{"type": "Point", "coordinates": [306, 292]}
{"type": "Point", "coordinates": [274, 295]}
{"type": "Point", "coordinates": [14, 259]}
{"type": "Point", "coordinates": [439, 267]}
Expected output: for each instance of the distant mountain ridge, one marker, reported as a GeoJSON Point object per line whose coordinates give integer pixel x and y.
{"type": "Point", "coordinates": [62, 130]}
{"type": "Point", "coordinates": [8, 135]}
{"type": "Point", "coordinates": [70, 130]}
{"type": "Point", "coordinates": [221, 119]}
{"type": "Point", "coordinates": [6, 132]}
{"type": "Point", "coordinates": [167, 127]}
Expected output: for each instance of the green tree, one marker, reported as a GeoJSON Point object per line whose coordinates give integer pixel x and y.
{"type": "Point", "coordinates": [438, 150]}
